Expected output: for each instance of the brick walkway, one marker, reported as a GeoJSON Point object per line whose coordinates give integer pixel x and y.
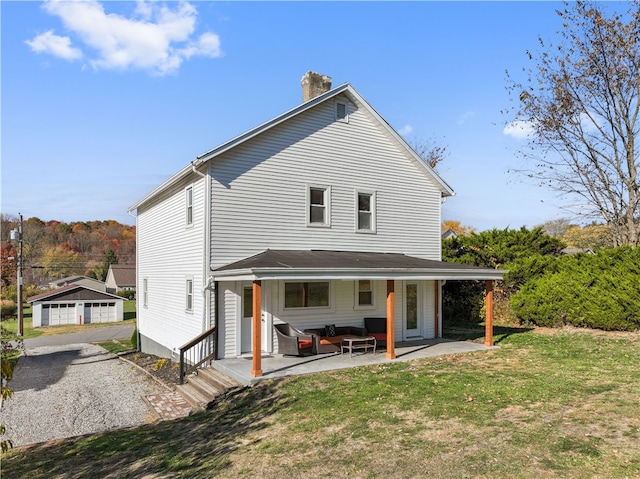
{"type": "Point", "coordinates": [170, 405]}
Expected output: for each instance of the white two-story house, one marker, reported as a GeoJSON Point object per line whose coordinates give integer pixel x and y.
{"type": "Point", "coordinates": [322, 215]}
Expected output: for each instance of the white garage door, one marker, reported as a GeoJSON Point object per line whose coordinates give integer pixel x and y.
{"type": "Point", "coordinates": [99, 312]}
{"type": "Point", "coordinates": [58, 314]}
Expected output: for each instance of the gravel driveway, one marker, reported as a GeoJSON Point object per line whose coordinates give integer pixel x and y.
{"type": "Point", "coordinates": [68, 390]}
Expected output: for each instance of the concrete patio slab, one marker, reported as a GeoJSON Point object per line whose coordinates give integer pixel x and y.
{"type": "Point", "coordinates": [277, 365]}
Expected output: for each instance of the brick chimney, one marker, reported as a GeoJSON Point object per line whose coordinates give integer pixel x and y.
{"type": "Point", "coordinates": [314, 84]}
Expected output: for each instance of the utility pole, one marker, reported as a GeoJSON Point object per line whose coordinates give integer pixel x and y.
{"type": "Point", "coordinates": [17, 235]}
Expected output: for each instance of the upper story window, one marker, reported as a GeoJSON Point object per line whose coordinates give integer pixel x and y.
{"type": "Point", "coordinates": [189, 205]}
{"type": "Point", "coordinates": [319, 206]}
{"type": "Point", "coordinates": [366, 212]}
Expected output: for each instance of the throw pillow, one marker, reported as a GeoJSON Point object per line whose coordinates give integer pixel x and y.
{"type": "Point", "coordinates": [330, 330]}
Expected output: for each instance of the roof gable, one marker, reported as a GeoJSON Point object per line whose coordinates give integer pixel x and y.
{"type": "Point", "coordinates": [123, 274]}
{"type": "Point", "coordinates": [345, 89]}
{"type": "Point", "coordinates": [73, 292]}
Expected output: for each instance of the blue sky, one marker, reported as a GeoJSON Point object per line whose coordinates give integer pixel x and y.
{"type": "Point", "coordinates": [103, 101]}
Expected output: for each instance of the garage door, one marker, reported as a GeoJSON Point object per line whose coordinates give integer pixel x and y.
{"type": "Point", "coordinates": [58, 314]}
{"type": "Point", "coordinates": [99, 312]}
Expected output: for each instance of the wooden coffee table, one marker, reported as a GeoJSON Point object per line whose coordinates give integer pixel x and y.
{"type": "Point", "coordinates": [351, 343]}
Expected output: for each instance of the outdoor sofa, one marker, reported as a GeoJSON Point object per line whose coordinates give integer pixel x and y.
{"type": "Point", "coordinates": [329, 338]}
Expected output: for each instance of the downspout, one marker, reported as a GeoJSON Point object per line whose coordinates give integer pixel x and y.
{"type": "Point", "coordinates": [215, 317]}
{"type": "Point", "coordinates": [205, 249]}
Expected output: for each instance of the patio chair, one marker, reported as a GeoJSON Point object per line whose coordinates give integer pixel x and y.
{"type": "Point", "coordinates": [292, 342]}
{"type": "Point", "coordinates": [377, 328]}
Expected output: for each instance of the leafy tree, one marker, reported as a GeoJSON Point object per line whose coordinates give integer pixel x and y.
{"type": "Point", "coordinates": [429, 151]}
{"type": "Point", "coordinates": [59, 262]}
{"type": "Point", "coordinates": [580, 103]}
{"type": "Point", "coordinates": [591, 236]}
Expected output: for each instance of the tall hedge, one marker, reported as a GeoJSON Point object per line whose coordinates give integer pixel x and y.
{"type": "Point", "coordinates": [527, 252]}
{"type": "Point", "coordinates": [596, 291]}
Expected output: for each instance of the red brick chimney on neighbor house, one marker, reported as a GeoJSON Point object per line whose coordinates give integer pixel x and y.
{"type": "Point", "coordinates": [314, 84]}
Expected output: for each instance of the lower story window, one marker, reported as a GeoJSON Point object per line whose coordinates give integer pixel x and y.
{"type": "Point", "coordinates": [306, 295]}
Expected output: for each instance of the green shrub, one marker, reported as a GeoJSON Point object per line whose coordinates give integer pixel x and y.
{"type": "Point", "coordinates": [134, 339]}
{"type": "Point", "coordinates": [126, 293]}
{"type": "Point", "coordinates": [8, 309]}
{"type": "Point", "coordinates": [595, 291]}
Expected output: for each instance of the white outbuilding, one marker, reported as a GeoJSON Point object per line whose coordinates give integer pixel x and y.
{"type": "Point", "coordinates": [75, 304]}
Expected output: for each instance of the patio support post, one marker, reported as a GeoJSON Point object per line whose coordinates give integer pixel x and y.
{"type": "Point", "coordinates": [256, 330]}
{"type": "Point", "coordinates": [391, 307]}
{"type": "Point", "coordinates": [488, 324]}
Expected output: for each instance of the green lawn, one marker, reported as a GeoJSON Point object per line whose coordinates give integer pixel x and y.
{"type": "Point", "coordinates": [545, 404]}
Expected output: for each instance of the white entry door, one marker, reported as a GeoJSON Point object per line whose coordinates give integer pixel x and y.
{"type": "Point", "coordinates": [412, 311]}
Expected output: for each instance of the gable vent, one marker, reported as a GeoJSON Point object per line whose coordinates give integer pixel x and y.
{"type": "Point", "coordinates": [342, 112]}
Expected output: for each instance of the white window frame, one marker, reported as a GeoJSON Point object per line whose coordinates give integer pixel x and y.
{"type": "Point", "coordinates": [188, 203]}
{"type": "Point", "coordinates": [189, 296]}
{"type": "Point", "coordinates": [345, 104]}
{"type": "Point", "coordinates": [357, 304]}
{"type": "Point", "coordinates": [330, 309]}
{"type": "Point", "coordinates": [372, 203]}
{"type": "Point", "coordinates": [327, 206]}
{"type": "Point", "coordinates": [145, 292]}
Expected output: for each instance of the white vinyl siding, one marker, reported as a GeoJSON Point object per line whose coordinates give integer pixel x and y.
{"type": "Point", "coordinates": [260, 189]}
{"type": "Point", "coordinates": [167, 254]}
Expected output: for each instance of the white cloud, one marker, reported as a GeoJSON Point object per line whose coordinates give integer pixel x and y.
{"type": "Point", "coordinates": [406, 130]}
{"type": "Point", "coordinates": [48, 42]}
{"type": "Point", "coordinates": [157, 37]}
{"type": "Point", "coordinates": [519, 129]}
{"type": "Point", "coordinates": [468, 115]}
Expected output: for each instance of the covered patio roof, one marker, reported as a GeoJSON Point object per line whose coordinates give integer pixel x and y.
{"type": "Point", "coordinates": [321, 264]}
{"type": "Point", "coordinates": [297, 265]}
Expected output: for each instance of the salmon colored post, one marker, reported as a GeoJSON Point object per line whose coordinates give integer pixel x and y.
{"type": "Point", "coordinates": [256, 330]}
{"type": "Point", "coordinates": [436, 308]}
{"type": "Point", "coordinates": [391, 307]}
{"type": "Point", "coordinates": [488, 324]}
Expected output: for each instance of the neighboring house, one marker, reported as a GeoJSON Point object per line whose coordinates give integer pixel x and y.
{"type": "Point", "coordinates": [81, 280]}
{"type": "Point", "coordinates": [323, 215]}
{"type": "Point", "coordinates": [121, 277]}
{"type": "Point", "coordinates": [75, 304]}
{"type": "Point", "coordinates": [449, 233]}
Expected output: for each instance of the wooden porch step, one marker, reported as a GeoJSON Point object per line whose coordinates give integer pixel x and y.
{"type": "Point", "coordinates": [205, 386]}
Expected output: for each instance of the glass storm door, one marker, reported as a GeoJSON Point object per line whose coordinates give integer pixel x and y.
{"type": "Point", "coordinates": [411, 311]}
{"type": "Point", "coordinates": [247, 319]}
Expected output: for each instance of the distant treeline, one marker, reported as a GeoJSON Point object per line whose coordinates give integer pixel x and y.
{"type": "Point", "coordinates": [55, 249]}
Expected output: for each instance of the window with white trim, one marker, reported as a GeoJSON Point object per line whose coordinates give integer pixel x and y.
{"type": "Point", "coordinates": [145, 292]}
{"type": "Point", "coordinates": [189, 205]}
{"type": "Point", "coordinates": [189, 295]}
{"type": "Point", "coordinates": [319, 206]}
{"type": "Point", "coordinates": [365, 212]}
{"type": "Point", "coordinates": [312, 294]}
{"type": "Point", "coordinates": [364, 293]}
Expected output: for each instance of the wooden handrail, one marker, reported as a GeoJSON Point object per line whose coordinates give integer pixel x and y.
{"type": "Point", "coordinates": [192, 366]}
